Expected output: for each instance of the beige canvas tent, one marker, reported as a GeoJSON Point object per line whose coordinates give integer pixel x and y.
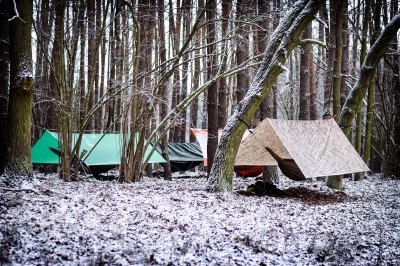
{"type": "Point", "coordinates": [317, 147]}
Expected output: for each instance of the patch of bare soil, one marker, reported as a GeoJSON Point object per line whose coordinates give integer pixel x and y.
{"type": "Point", "coordinates": [313, 197]}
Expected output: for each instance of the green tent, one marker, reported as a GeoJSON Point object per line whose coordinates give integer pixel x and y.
{"type": "Point", "coordinates": [183, 156]}
{"type": "Point", "coordinates": [106, 153]}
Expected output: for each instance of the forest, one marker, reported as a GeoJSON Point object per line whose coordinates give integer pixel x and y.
{"type": "Point", "coordinates": [151, 72]}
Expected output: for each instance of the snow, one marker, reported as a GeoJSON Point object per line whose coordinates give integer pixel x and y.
{"type": "Point", "coordinates": [177, 222]}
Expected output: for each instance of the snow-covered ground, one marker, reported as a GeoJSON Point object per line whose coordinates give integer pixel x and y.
{"type": "Point", "coordinates": [179, 223]}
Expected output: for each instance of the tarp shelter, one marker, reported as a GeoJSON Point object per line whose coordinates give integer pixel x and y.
{"type": "Point", "coordinates": [242, 170]}
{"type": "Point", "coordinates": [202, 135]}
{"type": "Point", "coordinates": [183, 156]}
{"type": "Point", "coordinates": [317, 147]}
{"type": "Point", "coordinates": [105, 154]}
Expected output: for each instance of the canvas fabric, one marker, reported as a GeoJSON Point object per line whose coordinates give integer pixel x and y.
{"type": "Point", "coordinates": [319, 147]}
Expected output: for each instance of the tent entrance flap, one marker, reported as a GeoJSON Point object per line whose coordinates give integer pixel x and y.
{"type": "Point", "coordinates": [317, 147]}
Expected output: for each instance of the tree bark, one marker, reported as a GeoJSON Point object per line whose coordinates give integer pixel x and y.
{"type": "Point", "coordinates": [372, 59]}
{"type": "Point", "coordinates": [175, 32]}
{"type": "Point", "coordinates": [263, 32]}
{"type": "Point", "coordinates": [337, 70]}
{"type": "Point", "coordinates": [212, 96]}
{"type": "Point", "coordinates": [4, 78]}
{"type": "Point", "coordinates": [353, 102]}
{"type": "Point", "coordinates": [371, 88]}
{"type": "Point", "coordinates": [196, 77]}
{"type": "Point", "coordinates": [91, 56]}
{"type": "Point", "coordinates": [313, 91]}
{"type": "Point", "coordinates": [330, 56]}
{"type": "Point", "coordinates": [164, 104]}
{"type": "Point", "coordinates": [242, 51]}
{"type": "Point", "coordinates": [82, 86]}
{"type": "Point", "coordinates": [344, 91]}
{"type": "Point", "coordinates": [103, 74]}
{"type": "Point", "coordinates": [118, 64]}
{"type": "Point", "coordinates": [363, 53]}
{"type": "Point", "coordinates": [186, 14]}
{"type": "Point", "coordinates": [223, 87]}
{"type": "Point", "coordinates": [284, 39]}
{"type": "Point", "coordinates": [97, 81]}
{"type": "Point", "coordinates": [394, 166]}
{"type": "Point", "coordinates": [305, 58]}
{"type": "Point", "coordinates": [18, 161]}
{"type": "Point", "coordinates": [270, 173]}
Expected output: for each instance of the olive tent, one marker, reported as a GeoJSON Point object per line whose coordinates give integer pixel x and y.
{"type": "Point", "coordinates": [103, 150]}
{"type": "Point", "coordinates": [301, 149]}
{"type": "Point", "coordinates": [183, 156]}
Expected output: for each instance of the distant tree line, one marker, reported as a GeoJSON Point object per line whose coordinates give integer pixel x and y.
{"type": "Point", "coordinates": [161, 67]}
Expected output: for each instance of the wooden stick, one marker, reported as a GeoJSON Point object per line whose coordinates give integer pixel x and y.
{"type": "Point", "coordinates": [21, 189]}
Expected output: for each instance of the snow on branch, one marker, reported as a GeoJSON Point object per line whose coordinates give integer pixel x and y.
{"type": "Point", "coordinates": [311, 41]}
{"type": "Point", "coordinates": [321, 21]}
{"type": "Point", "coordinates": [16, 13]}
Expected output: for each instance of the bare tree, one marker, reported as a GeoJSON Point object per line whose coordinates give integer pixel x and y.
{"type": "Point", "coordinates": [353, 102]}
{"type": "Point", "coordinates": [18, 161]}
{"type": "Point", "coordinates": [223, 87]}
{"type": "Point", "coordinates": [305, 59]}
{"type": "Point", "coordinates": [164, 103]}
{"type": "Point", "coordinates": [4, 77]}
{"type": "Point", "coordinates": [212, 97]}
{"type": "Point", "coordinates": [284, 39]}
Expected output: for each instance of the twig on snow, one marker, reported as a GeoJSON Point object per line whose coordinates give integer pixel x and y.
{"type": "Point", "coordinates": [21, 189]}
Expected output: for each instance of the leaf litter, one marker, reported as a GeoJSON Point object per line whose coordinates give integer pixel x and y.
{"type": "Point", "coordinates": [157, 222]}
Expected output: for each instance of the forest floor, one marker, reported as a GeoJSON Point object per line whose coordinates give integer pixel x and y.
{"type": "Point", "coordinates": [179, 223]}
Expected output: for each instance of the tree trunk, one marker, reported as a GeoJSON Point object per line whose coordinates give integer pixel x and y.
{"type": "Point", "coordinates": [175, 32]}
{"type": "Point", "coordinates": [337, 70]}
{"type": "Point", "coordinates": [164, 104]}
{"type": "Point", "coordinates": [270, 173]}
{"type": "Point", "coordinates": [97, 91]}
{"type": "Point", "coordinates": [359, 118]}
{"type": "Point", "coordinates": [212, 97]}
{"type": "Point", "coordinates": [223, 88]}
{"type": "Point", "coordinates": [320, 71]}
{"type": "Point", "coordinates": [371, 88]}
{"type": "Point", "coordinates": [376, 52]}
{"type": "Point", "coordinates": [313, 91]}
{"type": "Point", "coordinates": [394, 165]}
{"type": "Point", "coordinates": [263, 32]}
{"type": "Point", "coordinates": [242, 51]}
{"type": "Point", "coordinates": [330, 56]}
{"type": "Point", "coordinates": [186, 14]}
{"type": "Point", "coordinates": [196, 77]}
{"type": "Point", "coordinates": [305, 58]}
{"type": "Point", "coordinates": [91, 56]}
{"type": "Point", "coordinates": [148, 41]}
{"type": "Point", "coordinates": [18, 161]}
{"type": "Point", "coordinates": [82, 83]}
{"type": "Point", "coordinates": [103, 74]}
{"type": "Point", "coordinates": [118, 65]}
{"type": "Point", "coordinates": [41, 95]}
{"type": "Point", "coordinates": [344, 91]}
{"type": "Point", "coordinates": [283, 41]}
{"type": "Point", "coordinates": [4, 78]}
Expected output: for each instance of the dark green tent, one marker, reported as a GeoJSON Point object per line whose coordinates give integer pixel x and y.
{"type": "Point", "coordinates": [183, 156]}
